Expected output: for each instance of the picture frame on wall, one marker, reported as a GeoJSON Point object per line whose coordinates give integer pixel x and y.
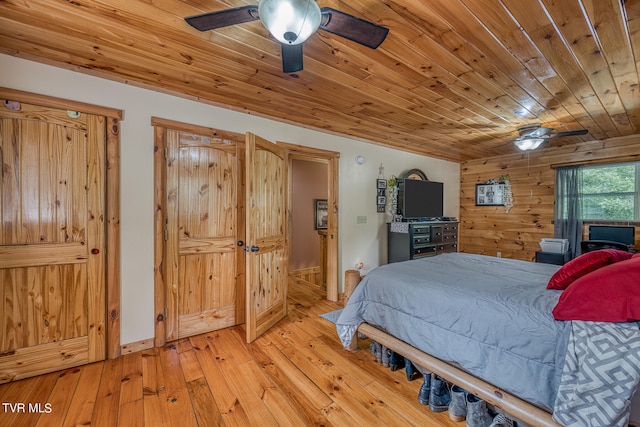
{"type": "Point", "coordinates": [381, 198]}
{"type": "Point", "coordinates": [490, 194]}
{"type": "Point", "coordinates": [321, 210]}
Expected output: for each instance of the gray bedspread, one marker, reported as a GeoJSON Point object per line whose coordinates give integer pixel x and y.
{"type": "Point", "coordinates": [490, 316]}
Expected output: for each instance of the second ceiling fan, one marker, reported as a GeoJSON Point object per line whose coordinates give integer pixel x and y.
{"type": "Point", "coordinates": [532, 136]}
{"type": "Point", "coordinates": [291, 22]}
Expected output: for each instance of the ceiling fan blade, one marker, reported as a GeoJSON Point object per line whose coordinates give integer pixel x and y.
{"type": "Point", "coordinates": [291, 57]}
{"type": "Point", "coordinates": [223, 18]}
{"type": "Point", "coordinates": [352, 28]}
{"type": "Point", "coordinates": [568, 133]}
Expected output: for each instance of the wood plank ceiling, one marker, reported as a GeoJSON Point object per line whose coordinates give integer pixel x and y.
{"type": "Point", "coordinates": [453, 80]}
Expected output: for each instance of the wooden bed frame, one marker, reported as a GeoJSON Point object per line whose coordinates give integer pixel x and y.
{"type": "Point", "coordinates": [513, 406]}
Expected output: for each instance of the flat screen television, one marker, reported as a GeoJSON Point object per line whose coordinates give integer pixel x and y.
{"type": "Point", "coordinates": [420, 199]}
{"type": "Point", "coordinates": [613, 233]}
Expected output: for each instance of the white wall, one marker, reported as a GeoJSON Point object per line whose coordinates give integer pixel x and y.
{"type": "Point", "coordinates": [357, 242]}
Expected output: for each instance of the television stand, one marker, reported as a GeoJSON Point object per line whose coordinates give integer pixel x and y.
{"type": "Point", "coordinates": [412, 240]}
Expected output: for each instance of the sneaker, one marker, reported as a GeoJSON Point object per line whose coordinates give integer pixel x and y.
{"type": "Point", "coordinates": [501, 421]}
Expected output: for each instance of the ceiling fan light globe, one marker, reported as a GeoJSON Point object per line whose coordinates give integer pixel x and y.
{"type": "Point", "coordinates": [527, 144]}
{"type": "Point", "coordinates": [290, 21]}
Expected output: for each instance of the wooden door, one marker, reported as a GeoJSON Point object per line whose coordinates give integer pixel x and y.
{"type": "Point", "coordinates": [266, 263]}
{"type": "Point", "coordinates": [201, 233]}
{"type": "Point", "coordinates": [52, 240]}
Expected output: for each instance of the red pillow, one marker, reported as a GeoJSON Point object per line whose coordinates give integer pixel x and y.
{"type": "Point", "coordinates": [585, 264]}
{"type": "Point", "coordinates": [610, 294]}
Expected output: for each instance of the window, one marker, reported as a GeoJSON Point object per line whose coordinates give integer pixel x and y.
{"type": "Point", "coordinates": [610, 192]}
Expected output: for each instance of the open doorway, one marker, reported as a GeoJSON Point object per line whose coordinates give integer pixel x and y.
{"type": "Point", "coordinates": [309, 221]}
{"type": "Point", "coordinates": [313, 228]}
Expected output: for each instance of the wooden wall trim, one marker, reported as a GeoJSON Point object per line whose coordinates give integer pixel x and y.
{"type": "Point", "coordinates": [196, 129]}
{"type": "Point", "coordinates": [159, 189]}
{"type": "Point", "coordinates": [49, 101]}
{"type": "Point", "coordinates": [113, 237]}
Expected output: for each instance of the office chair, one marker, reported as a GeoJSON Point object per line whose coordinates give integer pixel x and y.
{"type": "Point", "coordinates": [594, 245]}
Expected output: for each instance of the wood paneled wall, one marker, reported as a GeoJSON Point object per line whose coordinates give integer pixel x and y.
{"type": "Point", "coordinates": [489, 229]}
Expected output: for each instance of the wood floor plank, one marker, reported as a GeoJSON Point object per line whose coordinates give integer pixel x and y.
{"type": "Point", "coordinates": [283, 412]}
{"type": "Point", "coordinates": [81, 408]}
{"type": "Point", "coordinates": [204, 406]}
{"type": "Point", "coordinates": [60, 397]}
{"type": "Point", "coordinates": [289, 377]}
{"type": "Point", "coordinates": [131, 405]}
{"type": "Point", "coordinates": [230, 355]}
{"type": "Point", "coordinates": [153, 389]}
{"type": "Point", "coordinates": [178, 402]}
{"type": "Point", "coordinates": [106, 409]}
{"type": "Point", "coordinates": [33, 390]}
{"type": "Point", "coordinates": [230, 408]}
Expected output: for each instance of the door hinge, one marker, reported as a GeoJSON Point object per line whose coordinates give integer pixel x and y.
{"type": "Point", "coordinates": [166, 153]}
{"type": "Point", "coordinates": [166, 234]}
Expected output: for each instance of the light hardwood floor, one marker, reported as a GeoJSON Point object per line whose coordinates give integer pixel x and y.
{"type": "Point", "coordinates": [296, 374]}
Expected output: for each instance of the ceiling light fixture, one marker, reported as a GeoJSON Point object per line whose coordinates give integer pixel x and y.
{"type": "Point", "coordinates": [527, 144]}
{"type": "Point", "coordinates": [290, 21]}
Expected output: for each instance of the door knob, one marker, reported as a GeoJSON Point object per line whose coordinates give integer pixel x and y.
{"type": "Point", "coordinates": [240, 243]}
{"type": "Point", "coordinates": [254, 248]}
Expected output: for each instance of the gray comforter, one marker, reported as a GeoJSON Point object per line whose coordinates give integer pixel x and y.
{"type": "Point", "coordinates": [490, 316]}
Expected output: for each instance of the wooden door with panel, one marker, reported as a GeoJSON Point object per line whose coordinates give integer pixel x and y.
{"type": "Point", "coordinates": [266, 219]}
{"type": "Point", "coordinates": [201, 247]}
{"type": "Point", "coordinates": [52, 240]}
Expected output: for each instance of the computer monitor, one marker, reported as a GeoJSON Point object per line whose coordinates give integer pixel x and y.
{"type": "Point", "coordinates": [613, 233]}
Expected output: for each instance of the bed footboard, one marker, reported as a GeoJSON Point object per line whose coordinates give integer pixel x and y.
{"type": "Point", "coordinates": [513, 406]}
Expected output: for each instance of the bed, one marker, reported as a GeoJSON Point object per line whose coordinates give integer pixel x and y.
{"type": "Point", "coordinates": [483, 323]}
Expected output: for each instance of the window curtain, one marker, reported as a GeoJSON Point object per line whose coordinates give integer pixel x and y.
{"type": "Point", "coordinates": [568, 215]}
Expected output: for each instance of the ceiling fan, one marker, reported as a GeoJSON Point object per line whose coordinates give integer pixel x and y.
{"type": "Point", "coordinates": [291, 22]}
{"type": "Point", "coordinates": [532, 136]}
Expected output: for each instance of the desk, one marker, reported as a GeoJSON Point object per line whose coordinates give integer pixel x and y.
{"type": "Point", "coordinates": [552, 257]}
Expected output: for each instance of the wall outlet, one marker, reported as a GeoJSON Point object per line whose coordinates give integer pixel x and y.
{"type": "Point", "coordinates": [499, 254]}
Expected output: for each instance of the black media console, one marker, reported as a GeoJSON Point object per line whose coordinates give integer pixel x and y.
{"type": "Point", "coordinates": [411, 240]}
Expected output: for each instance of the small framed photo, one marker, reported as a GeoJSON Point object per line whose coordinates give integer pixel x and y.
{"type": "Point", "coordinates": [381, 183]}
{"type": "Point", "coordinates": [321, 214]}
{"type": "Point", "coordinates": [490, 194]}
{"type": "Point", "coordinates": [382, 200]}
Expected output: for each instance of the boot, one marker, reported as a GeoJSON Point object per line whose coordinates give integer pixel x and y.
{"type": "Point", "coordinates": [385, 357]}
{"type": "Point", "coordinates": [412, 372]}
{"type": "Point", "coordinates": [395, 361]}
{"type": "Point", "coordinates": [458, 405]}
{"type": "Point", "coordinates": [477, 414]}
{"type": "Point", "coordinates": [377, 351]}
{"type": "Point", "coordinates": [439, 397]}
{"type": "Point", "coordinates": [425, 389]}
